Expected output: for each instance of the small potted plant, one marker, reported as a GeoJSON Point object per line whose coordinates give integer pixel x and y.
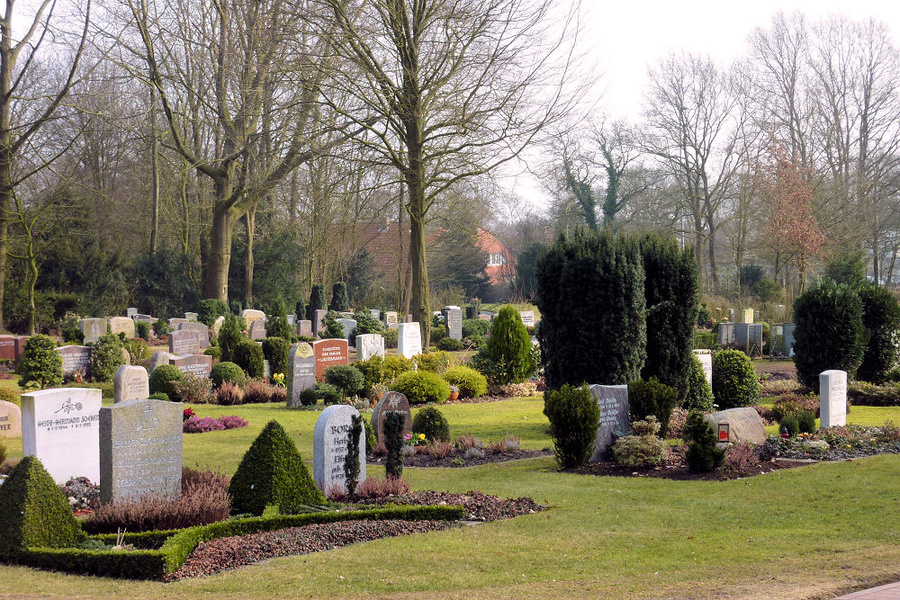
{"type": "Point", "coordinates": [454, 393]}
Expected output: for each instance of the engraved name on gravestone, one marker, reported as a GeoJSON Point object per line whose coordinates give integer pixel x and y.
{"type": "Point", "coordinates": [124, 325]}
{"type": "Point", "coordinates": [409, 340]}
{"type": "Point", "coordinates": [140, 450]}
{"type": "Point", "coordinates": [184, 341]}
{"type": "Point", "coordinates": [201, 330]}
{"type": "Point", "coordinates": [131, 383]}
{"type": "Point", "coordinates": [391, 401]}
{"type": "Point", "coordinates": [304, 328]}
{"type": "Point", "coordinates": [75, 358]}
{"type": "Point", "coordinates": [390, 317]}
{"type": "Point", "coordinates": [199, 365]}
{"type": "Point", "coordinates": [329, 353]}
{"type": "Point", "coordinates": [527, 317]}
{"type": "Point", "coordinates": [61, 427]}
{"type": "Point", "coordinates": [705, 357]}
{"type": "Point", "coordinates": [8, 347]}
{"type": "Point", "coordinates": [302, 369]}
{"type": "Point", "coordinates": [10, 420]}
{"type": "Point", "coordinates": [330, 440]}
{"type": "Point", "coordinates": [453, 321]}
{"type": "Point", "coordinates": [92, 329]}
{"type": "Point", "coordinates": [833, 398]}
{"type": "Point", "coordinates": [369, 345]}
{"type": "Point", "coordinates": [614, 420]}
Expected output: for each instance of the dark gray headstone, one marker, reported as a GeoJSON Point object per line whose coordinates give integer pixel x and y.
{"type": "Point", "coordinates": [330, 440]}
{"type": "Point", "coordinates": [614, 419]}
{"type": "Point", "coordinates": [726, 334]}
{"type": "Point", "coordinates": [349, 327]}
{"type": "Point", "coordinates": [140, 450]}
{"type": "Point", "coordinates": [201, 330]}
{"type": "Point", "coordinates": [184, 341]}
{"type": "Point", "coordinates": [301, 372]}
{"type": "Point", "coordinates": [75, 358]}
{"type": "Point", "coordinates": [131, 383]}
{"type": "Point", "coordinates": [453, 321]}
{"type": "Point", "coordinates": [390, 402]}
{"type": "Point", "coordinates": [199, 365]}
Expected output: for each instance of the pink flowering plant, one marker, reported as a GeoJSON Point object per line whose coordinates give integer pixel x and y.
{"type": "Point", "coordinates": [197, 424]}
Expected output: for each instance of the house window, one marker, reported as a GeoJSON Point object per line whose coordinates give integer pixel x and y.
{"type": "Point", "coordinates": [496, 259]}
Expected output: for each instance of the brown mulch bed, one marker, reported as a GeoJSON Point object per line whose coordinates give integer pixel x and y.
{"type": "Point", "coordinates": [779, 370]}
{"type": "Point", "coordinates": [228, 553]}
{"type": "Point", "coordinates": [680, 472]}
{"type": "Point", "coordinates": [421, 459]}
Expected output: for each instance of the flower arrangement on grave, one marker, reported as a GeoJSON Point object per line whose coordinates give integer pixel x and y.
{"type": "Point", "coordinates": [278, 378]}
{"type": "Point", "coordinates": [188, 413]}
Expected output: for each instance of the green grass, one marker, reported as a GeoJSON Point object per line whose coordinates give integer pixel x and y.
{"type": "Point", "coordinates": [811, 532]}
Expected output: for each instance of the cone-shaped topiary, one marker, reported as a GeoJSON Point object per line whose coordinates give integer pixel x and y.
{"type": "Point", "coordinates": [272, 472]}
{"type": "Point", "coordinates": [249, 356]}
{"type": "Point", "coordinates": [699, 394]}
{"type": "Point", "coordinates": [508, 356]}
{"type": "Point", "coordinates": [574, 416]}
{"type": "Point", "coordinates": [230, 334]}
{"type": "Point", "coordinates": [339, 299]}
{"type": "Point", "coordinates": [300, 310]}
{"type": "Point", "coordinates": [276, 323]}
{"type": "Point", "coordinates": [34, 513]}
{"type": "Point", "coordinates": [393, 441]}
{"type": "Point", "coordinates": [702, 454]}
{"type": "Point", "coordinates": [316, 302]}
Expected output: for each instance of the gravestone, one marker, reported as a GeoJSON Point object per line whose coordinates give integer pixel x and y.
{"type": "Point", "coordinates": [376, 314]}
{"type": "Point", "coordinates": [390, 402]}
{"type": "Point", "coordinates": [453, 321]}
{"type": "Point", "coordinates": [8, 348]}
{"type": "Point", "coordinates": [484, 316]}
{"type": "Point", "coordinates": [21, 340]}
{"type": "Point", "coordinates": [184, 341]}
{"type": "Point", "coordinates": [744, 424]}
{"type": "Point", "coordinates": [140, 450]}
{"type": "Point", "coordinates": [258, 329]}
{"type": "Point", "coordinates": [217, 325]}
{"type": "Point", "coordinates": [177, 322]}
{"type": "Point", "coordinates": [131, 383]}
{"type": "Point", "coordinates": [145, 319]}
{"type": "Point", "coordinates": [291, 320]}
{"type": "Point", "coordinates": [731, 315]}
{"type": "Point", "coordinates": [10, 420]}
{"type": "Point", "coordinates": [329, 353]}
{"type": "Point", "coordinates": [391, 316]}
{"type": "Point", "coordinates": [408, 319]}
{"type": "Point", "coordinates": [159, 358]}
{"type": "Point", "coordinates": [614, 420]}
{"type": "Point", "coordinates": [304, 328]}
{"type": "Point", "coordinates": [409, 340]}
{"type": "Point", "coordinates": [124, 325]}
{"type": "Point", "coordinates": [191, 316]}
{"type": "Point", "coordinates": [250, 315]}
{"type": "Point", "coordinates": [369, 345]}
{"type": "Point", "coordinates": [349, 327]}
{"type": "Point", "coordinates": [705, 357]}
{"type": "Point", "coordinates": [201, 330]}
{"type": "Point", "coordinates": [60, 426]}
{"type": "Point", "coordinates": [131, 312]}
{"type": "Point", "coordinates": [330, 439]}
{"type": "Point", "coordinates": [747, 315]}
{"type": "Point", "coordinates": [92, 329]}
{"type": "Point", "coordinates": [199, 365]}
{"type": "Point", "coordinates": [833, 398]}
{"type": "Point", "coordinates": [394, 326]}
{"type": "Point", "coordinates": [788, 336]}
{"type": "Point", "coordinates": [75, 358]}
{"type": "Point", "coordinates": [527, 317]}
{"type": "Point", "coordinates": [319, 318]}
{"type": "Point", "coordinates": [726, 334]}
{"type": "Point", "coordinates": [302, 372]}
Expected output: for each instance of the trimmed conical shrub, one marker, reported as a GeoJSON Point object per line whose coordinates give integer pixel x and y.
{"type": "Point", "coordinates": [702, 454]}
{"type": "Point", "coordinates": [316, 301]}
{"type": "Point", "coordinates": [272, 473]}
{"type": "Point", "coordinates": [340, 301]}
{"type": "Point", "coordinates": [34, 513]}
{"type": "Point", "coordinates": [277, 323]}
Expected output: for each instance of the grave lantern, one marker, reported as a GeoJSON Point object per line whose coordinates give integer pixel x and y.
{"type": "Point", "coordinates": [724, 428]}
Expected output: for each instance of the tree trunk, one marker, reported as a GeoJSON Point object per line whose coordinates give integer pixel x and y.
{"type": "Point", "coordinates": [31, 281]}
{"type": "Point", "coordinates": [216, 285]}
{"type": "Point", "coordinates": [154, 174]}
{"type": "Point", "coordinates": [250, 222]}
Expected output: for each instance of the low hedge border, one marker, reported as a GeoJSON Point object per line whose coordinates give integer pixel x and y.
{"type": "Point", "coordinates": [175, 546]}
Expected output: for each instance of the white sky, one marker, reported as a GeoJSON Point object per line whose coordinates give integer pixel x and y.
{"type": "Point", "coordinates": [626, 37]}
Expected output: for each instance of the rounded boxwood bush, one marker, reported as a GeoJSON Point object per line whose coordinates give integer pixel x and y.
{"type": "Point", "coordinates": [469, 382]}
{"type": "Point", "coordinates": [275, 350]}
{"type": "Point", "coordinates": [574, 416]}
{"type": "Point", "coordinates": [421, 387]}
{"type": "Point", "coordinates": [40, 363]}
{"type": "Point", "coordinates": [829, 332]}
{"type": "Point", "coordinates": [308, 397]}
{"type": "Point", "coordinates": [699, 392]}
{"type": "Point", "coordinates": [734, 380]}
{"type": "Point", "coordinates": [214, 351]}
{"type": "Point", "coordinates": [328, 393]}
{"type": "Point", "coordinates": [163, 380]}
{"type": "Point", "coordinates": [106, 357]}
{"type": "Point", "coordinates": [230, 334]}
{"type": "Point", "coordinates": [272, 473]}
{"type": "Point", "coordinates": [34, 513]}
{"type": "Point", "coordinates": [652, 398]}
{"type": "Point", "coordinates": [394, 366]}
{"type": "Point", "coordinates": [227, 371]}
{"type": "Point", "coordinates": [450, 344]}
{"type": "Point", "coordinates": [432, 423]}
{"type": "Point", "coordinates": [248, 355]}
{"type": "Point", "coordinates": [346, 378]}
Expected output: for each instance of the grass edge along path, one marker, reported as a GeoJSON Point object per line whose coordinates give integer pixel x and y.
{"type": "Point", "coordinates": [810, 532]}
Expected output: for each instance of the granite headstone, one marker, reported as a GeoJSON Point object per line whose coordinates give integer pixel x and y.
{"type": "Point", "coordinates": [130, 383]}
{"type": "Point", "coordinates": [833, 398]}
{"type": "Point", "coordinates": [390, 402]}
{"type": "Point", "coordinates": [10, 420]}
{"type": "Point", "coordinates": [614, 419]}
{"type": "Point", "coordinates": [302, 369]}
{"type": "Point", "coordinates": [330, 439]}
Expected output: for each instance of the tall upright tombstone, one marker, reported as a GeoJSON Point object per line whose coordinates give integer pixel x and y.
{"type": "Point", "coordinates": [329, 353]}
{"type": "Point", "coordinates": [349, 328]}
{"type": "Point", "coordinates": [130, 383]}
{"type": "Point", "coordinates": [409, 340]}
{"type": "Point", "coordinates": [391, 402]}
{"type": "Point", "coordinates": [304, 328]}
{"type": "Point", "coordinates": [369, 345]}
{"type": "Point", "coordinates": [10, 420]}
{"type": "Point", "coordinates": [140, 450]}
{"type": "Point", "coordinates": [61, 427]}
{"type": "Point", "coordinates": [726, 334]}
{"type": "Point", "coordinates": [453, 320]}
{"type": "Point", "coordinates": [258, 329]}
{"type": "Point", "coordinates": [705, 357]}
{"type": "Point", "coordinates": [330, 439]}
{"type": "Point", "coordinates": [131, 312]}
{"type": "Point", "coordinates": [92, 329]}
{"type": "Point", "coordinates": [302, 369]}
{"type": "Point", "coordinates": [833, 398]}
{"type": "Point", "coordinates": [614, 419]}
{"type": "Point", "coordinates": [319, 320]}
{"type": "Point", "coordinates": [747, 315]}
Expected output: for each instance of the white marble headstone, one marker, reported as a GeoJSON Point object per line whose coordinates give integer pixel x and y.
{"type": "Point", "coordinates": [833, 398]}
{"type": "Point", "coordinates": [409, 340]}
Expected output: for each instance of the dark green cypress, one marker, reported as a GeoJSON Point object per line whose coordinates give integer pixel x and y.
{"type": "Point", "coordinates": [316, 301]}
{"type": "Point", "coordinates": [351, 463]}
{"type": "Point", "coordinates": [394, 423]}
{"type": "Point", "coordinates": [340, 301]}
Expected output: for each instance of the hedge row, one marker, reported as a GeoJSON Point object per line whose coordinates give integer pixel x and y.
{"type": "Point", "coordinates": [178, 545]}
